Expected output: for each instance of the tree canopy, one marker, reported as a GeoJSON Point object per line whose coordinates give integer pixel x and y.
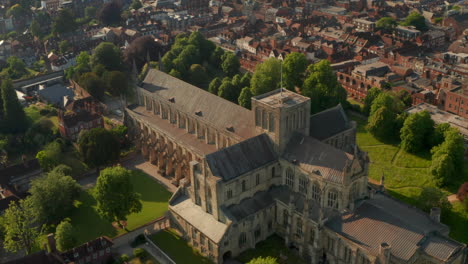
{"type": "Point", "coordinates": [386, 23]}
{"type": "Point", "coordinates": [52, 195]}
{"type": "Point", "coordinates": [116, 82]}
{"type": "Point", "coordinates": [14, 119]}
{"type": "Point", "coordinates": [294, 67]}
{"type": "Point", "coordinates": [64, 236]}
{"type": "Point", "coordinates": [98, 147]}
{"type": "Point", "coordinates": [417, 132]}
{"type": "Point", "coordinates": [230, 64]}
{"type": "Point", "coordinates": [50, 156]}
{"type": "Point", "coordinates": [93, 84]}
{"type": "Point", "coordinates": [370, 97]}
{"type": "Point", "coordinates": [16, 67]}
{"type": "Point", "coordinates": [245, 98]}
{"type": "Point", "coordinates": [64, 22]}
{"type": "Point", "coordinates": [266, 77]}
{"type": "Point", "coordinates": [263, 260]}
{"type": "Point", "coordinates": [322, 86]}
{"type": "Point", "coordinates": [114, 194]}
{"type": "Point", "coordinates": [416, 20]}
{"type": "Point", "coordinates": [108, 55]}
{"type": "Point", "coordinates": [141, 50]}
{"type": "Point", "coordinates": [21, 229]}
{"type": "Point", "coordinates": [447, 158]}
{"type": "Point", "coordinates": [110, 13]}
{"type": "Point", "coordinates": [433, 197]}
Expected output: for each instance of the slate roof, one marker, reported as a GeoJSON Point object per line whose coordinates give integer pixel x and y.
{"type": "Point", "coordinates": [190, 99]}
{"type": "Point", "coordinates": [55, 94]}
{"type": "Point", "coordinates": [251, 205]}
{"type": "Point", "coordinates": [95, 245]}
{"type": "Point", "coordinates": [402, 227]}
{"type": "Point", "coordinates": [328, 123]}
{"type": "Point", "coordinates": [238, 159]}
{"type": "Point", "coordinates": [315, 156]}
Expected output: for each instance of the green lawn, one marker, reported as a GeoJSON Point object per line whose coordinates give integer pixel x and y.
{"type": "Point", "coordinates": [271, 247]}
{"type": "Point", "coordinates": [406, 174]}
{"type": "Point", "coordinates": [177, 248]}
{"type": "Point", "coordinates": [89, 225]}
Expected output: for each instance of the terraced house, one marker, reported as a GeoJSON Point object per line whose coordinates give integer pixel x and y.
{"type": "Point", "coordinates": [244, 175]}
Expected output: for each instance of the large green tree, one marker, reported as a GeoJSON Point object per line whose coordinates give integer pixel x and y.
{"type": "Point", "coordinates": [447, 158]}
{"type": "Point", "coordinates": [386, 23]}
{"type": "Point", "coordinates": [370, 97]}
{"type": "Point", "coordinates": [381, 123]}
{"type": "Point", "coordinates": [433, 197]}
{"type": "Point", "coordinates": [108, 55]}
{"type": "Point", "coordinates": [64, 22]}
{"type": "Point", "coordinates": [417, 132]}
{"type": "Point", "coordinates": [230, 64]}
{"type": "Point", "coordinates": [16, 67]}
{"type": "Point", "coordinates": [93, 84]}
{"type": "Point", "coordinates": [116, 83]}
{"type": "Point", "coordinates": [35, 28]}
{"type": "Point", "coordinates": [294, 67]}
{"type": "Point", "coordinates": [98, 147]}
{"type": "Point", "coordinates": [52, 195]}
{"type": "Point", "coordinates": [228, 91]}
{"type": "Point", "coordinates": [416, 20]}
{"type": "Point", "coordinates": [245, 98]}
{"type": "Point", "coordinates": [50, 156]}
{"type": "Point", "coordinates": [323, 88]}
{"type": "Point", "coordinates": [14, 119]}
{"type": "Point", "coordinates": [197, 75]}
{"type": "Point", "coordinates": [115, 196]}
{"type": "Point", "coordinates": [64, 236]}
{"type": "Point", "coordinates": [20, 227]}
{"type": "Point", "coordinates": [110, 13]}
{"type": "Point", "coordinates": [214, 85]}
{"type": "Point", "coordinates": [266, 77]}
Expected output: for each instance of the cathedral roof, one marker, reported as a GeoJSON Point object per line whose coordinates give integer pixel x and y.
{"type": "Point", "coordinates": [328, 123]}
{"type": "Point", "coordinates": [317, 157]}
{"type": "Point", "coordinates": [201, 104]}
{"type": "Point", "coordinates": [404, 228]}
{"type": "Point", "coordinates": [238, 159]}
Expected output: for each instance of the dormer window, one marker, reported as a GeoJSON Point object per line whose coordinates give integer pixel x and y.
{"type": "Point", "coordinates": [172, 99]}
{"type": "Point", "coordinates": [198, 113]}
{"type": "Point", "coordinates": [230, 128]}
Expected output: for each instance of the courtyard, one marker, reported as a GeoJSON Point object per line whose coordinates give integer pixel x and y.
{"type": "Point", "coordinates": [406, 174]}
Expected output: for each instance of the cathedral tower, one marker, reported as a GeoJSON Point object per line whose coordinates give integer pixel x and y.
{"type": "Point", "coordinates": [279, 114]}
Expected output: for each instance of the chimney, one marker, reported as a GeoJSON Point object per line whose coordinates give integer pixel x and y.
{"type": "Point", "coordinates": [435, 214]}
{"type": "Point", "coordinates": [51, 242]}
{"type": "Point", "coordinates": [384, 251]}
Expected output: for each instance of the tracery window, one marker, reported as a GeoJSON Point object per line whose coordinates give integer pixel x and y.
{"type": "Point", "coordinates": [271, 123]}
{"type": "Point", "coordinates": [303, 184]}
{"type": "Point", "coordinates": [299, 228]}
{"type": "Point", "coordinates": [242, 240]}
{"type": "Point", "coordinates": [290, 177]}
{"type": "Point", "coordinates": [285, 218]}
{"type": "Point", "coordinates": [264, 119]}
{"type": "Point", "coordinates": [316, 192]}
{"type": "Point", "coordinates": [332, 199]}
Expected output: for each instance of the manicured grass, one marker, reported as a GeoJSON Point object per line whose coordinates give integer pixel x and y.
{"type": "Point", "coordinates": [89, 224]}
{"type": "Point", "coordinates": [271, 247]}
{"type": "Point", "coordinates": [177, 248]}
{"type": "Point", "coordinates": [406, 174]}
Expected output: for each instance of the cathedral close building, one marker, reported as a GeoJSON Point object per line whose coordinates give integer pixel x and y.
{"type": "Point", "coordinates": [244, 175]}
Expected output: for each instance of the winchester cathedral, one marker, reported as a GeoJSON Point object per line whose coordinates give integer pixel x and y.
{"type": "Point", "coordinates": [244, 175]}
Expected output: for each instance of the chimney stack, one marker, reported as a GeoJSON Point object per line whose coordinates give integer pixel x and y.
{"type": "Point", "coordinates": [384, 251]}
{"type": "Point", "coordinates": [435, 214]}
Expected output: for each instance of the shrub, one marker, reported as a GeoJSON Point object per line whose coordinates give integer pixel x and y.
{"type": "Point", "coordinates": [140, 239]}
{"type": "Point", "coordinates": [140, 253]}
{"type": "Point", "coordinates": [125, 257]}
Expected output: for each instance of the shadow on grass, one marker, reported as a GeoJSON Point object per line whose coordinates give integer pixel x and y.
{"type": "Point", "coordinates": [86, 221]}
{"type": "Point", "coordinates": [148, 188]}
{"type": "Point", "coordinates": [457, 218]}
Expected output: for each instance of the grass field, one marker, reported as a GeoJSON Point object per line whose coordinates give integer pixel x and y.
{"type": "Point", "coordinates": [89, 225]}
{"type": "Point", "coordinates": [406, 174]}
{"type": "Point", "coordinates": [177, 248]}
{"type": "Point", "coordinates": [271, 247]}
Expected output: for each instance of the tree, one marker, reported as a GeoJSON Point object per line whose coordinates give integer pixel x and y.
{"type": "Point", "coordinates": [64, 22]}
{"type": "Point", "coordinates": [228, 91]}
{"type": "Point", "coordinates": [294, 67]}
{"type": "Point", "coordinates": [433, 197]}
{"type": "Point", "coordinates": [108, 55]}
{"type": "Point", "coordinates": [442, 169]}
{"type": "Point", "coordinates": [323, 88]}
{"type": "Point", "coordinates": [439, 133]}
{"type": "Point", "coordinates": [380, 123]}
{"type": "Point", "coordinates": [266, 77]}
{"type": "Point", "coordinates": [52, 195]}
{"type": "Point", "coordinates": [197, 75]}
{"type": "Point", "coordinates": [245, 98]}
{"type": "Point", "coordinates": [35, 28]}
{"type": "Point", "coordinates": [116, 83]}
{"type": "Point", "coordinates": [64, 236]}
{"type": "Point", "coordinates": [416, 20]}
{"type": "Point", "coordinates": [230, 64]}
{"type": "Point", "coordinates": [417, 132]}
{"type": "Point", "coordinates": [263, 260]}
{"type": "Point", "coordinates": [387, 23]}
{"type": "Point", "coordinates": [17, 11]}
{"type": "Point", "coordinates": [447, 158]}
{"type": "Point", "coordinates": [21, 229]}
{"type": "Point", "coordinates": [93, 84]}
{"type": "Point", "coordinates": [175, 73]}
{"type": "Point", "coordinates": [14, 118]}
{"type": "Point", "coordinates": [64, 46]}
{"type": "Point", "coordinates": [405, 98]}
{"type": "Point", "coordinates": [110, 13]}
{"type": "Point", "coordinates": [98, 147]}
{"type": "Point", "coordinates": [214, 85]}
{"type": "Point", "coordinates": [388, 100]}
{"type": "Point", "coordinates": [136, 4]}
{"type": "Point", "coordinates": [16, 67]}
{"type": "Point", "coordinates": [216, 57]}
{"type": "Point", "coordinates": [142, 50]}
{"type": "Point", "coordinates": [50, 156]}
{"type": "Point", "coordinates": [205, 46]}
{"type": "Point", "coordinates": [370, 97]}
{"type": "Point", "coordinates": [115, 195]}
{"type": "Point", "coordinates": [90, 12]}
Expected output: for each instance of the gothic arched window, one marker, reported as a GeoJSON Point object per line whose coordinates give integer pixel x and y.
{"type": "Point", "coordinates": [244, 186]}
{"type": "Point", "coordinates": [264, 119]}
{"type": "Point", "coordinates": [285, 217]}
{"type": "Point", "coordinates": [299, 228]}
{"type": "Point", "coordinates": [316, 193]}
{"type": "Point", "coordinates": [273, 172]}
{"type": "Point", "coordinates": [258, 117]}
{"type": "Point", "coordinates": [290, 177]}
{"type": "Point", "coordinates": [271, 123]}
{"type": "Point", "coordinates": [242, 240]}
{"type": "Point", "coordinates": [332, 200]}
